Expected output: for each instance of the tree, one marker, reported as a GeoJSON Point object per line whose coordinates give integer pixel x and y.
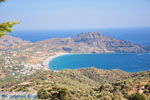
{"type": "Point", "coordinates": [2, 1]}
{"type": "Point", "coordinates": [6, 26]}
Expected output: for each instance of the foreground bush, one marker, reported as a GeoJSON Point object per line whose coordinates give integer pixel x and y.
{"type": "Point", "coordinates": [54, 94]}
{"type": "Point", "coordinates": [43, 94]}
{"type": "Point", "coordinates": [137, 97]}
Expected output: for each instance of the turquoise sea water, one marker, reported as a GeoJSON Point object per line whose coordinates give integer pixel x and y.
{"type": "Point", "coordinates": [125, 62]}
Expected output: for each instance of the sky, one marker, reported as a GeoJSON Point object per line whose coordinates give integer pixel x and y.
{"type": "Point", "coordinates": [76, 14]}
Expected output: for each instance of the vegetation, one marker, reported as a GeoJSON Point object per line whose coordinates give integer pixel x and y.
{"type": "Point", "coordinates": [137, 97]}
{"type": "Point", "coordinates": [6, 27]}
{"type": "Point", "coordinates": [43, 94]}
{"type": "Point", "coordinates": [2, 1]}
{"type": "Point", "coordinates": [79, 85]}
{"type": "Point", "coordinates": [82, 84]}
{"type": "Point", "coordinates": [54, 93]}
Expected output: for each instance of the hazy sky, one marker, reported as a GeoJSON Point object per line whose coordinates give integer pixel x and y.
{"type": "Point", "coordinates": [76, 14]}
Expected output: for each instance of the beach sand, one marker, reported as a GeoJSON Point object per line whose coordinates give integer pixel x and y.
{"type": "Point", "coordinates": [49, 59]}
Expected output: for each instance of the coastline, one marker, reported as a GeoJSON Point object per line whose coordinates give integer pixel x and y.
{"type": "Point", "coordinates": [49, 59]}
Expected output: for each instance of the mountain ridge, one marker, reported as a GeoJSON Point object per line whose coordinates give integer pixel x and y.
{"type": "Point", "coordinates": [87, 42]}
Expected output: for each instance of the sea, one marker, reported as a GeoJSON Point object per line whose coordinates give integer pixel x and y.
{"type": "Point", "coordinates": [130, 62]}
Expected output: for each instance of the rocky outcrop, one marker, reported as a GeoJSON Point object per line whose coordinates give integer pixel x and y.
{"type": "Point", "coordinates": [96, 39]}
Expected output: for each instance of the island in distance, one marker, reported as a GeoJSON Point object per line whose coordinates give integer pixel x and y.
{"type": "Point", "coordinates": [22, 63]}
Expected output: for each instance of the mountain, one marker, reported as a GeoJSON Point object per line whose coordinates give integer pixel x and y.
{"type": "Point", "coordinates": [91, 42]}
{"type": "Point", "coordinates": [88, 42]}
{"type": "Point", "coordinates": [96, 39]}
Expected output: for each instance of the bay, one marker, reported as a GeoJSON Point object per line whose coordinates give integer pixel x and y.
{"type": "Point", "coordinates": [131, 62]}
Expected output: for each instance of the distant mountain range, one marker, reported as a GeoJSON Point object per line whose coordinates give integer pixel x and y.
{"type": "Point", "coordinates": [89, 42]}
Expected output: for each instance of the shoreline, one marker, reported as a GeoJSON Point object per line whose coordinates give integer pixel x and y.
{"type": "Point", "coordinates": [46, 62]}
{"type": "Point", "coordinates": [49, 59]}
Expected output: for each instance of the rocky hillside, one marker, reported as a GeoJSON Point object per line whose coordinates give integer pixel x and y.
{"type": "Point", "coordinates": [11, 42]}
{"type": "Point", "coordinates": [92, 42]}
{"type": "Point", "coordinates": [96, 39]}
{"type": "Point", "coordinates": [89, 42]}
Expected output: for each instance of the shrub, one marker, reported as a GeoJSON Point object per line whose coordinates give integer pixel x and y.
{"type": "Point", "coordinates": [117, 96]}
{"type": "Point", "coordinates": [106, 87]}
{"type": "Point", "coordinates": [43, 94]}
{"type": "Point", "coordinates": [103, 94]}
{"type": "Point", "coordinates": [105, 98]}
{"type": "Point", "coordinates": [147, 86]}
{"type": "Point", "coordinates": [59, 93]}
{"type": "Point", "coordinates": [137, 97]}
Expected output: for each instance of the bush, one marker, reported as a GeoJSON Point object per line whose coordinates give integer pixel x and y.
{"type": "Point", "coordinates": [137, 97]}
{"type": "Point", "coordinates": [117, 96]}
{"type": "Point", "coordinates": [54, 93]}
{"type": "Point", "coordinates": [147, 86]}
{"type": "Point", "coordinates": [106, 87]}
{"type": "Point", "coordinates": [104, 94]}
{"type": "Point", "coordinates": [59, 93]}
{"type": "Point", "coordinates": [105, 98]}
{"type": "Point", "coordinates": [43, 94]}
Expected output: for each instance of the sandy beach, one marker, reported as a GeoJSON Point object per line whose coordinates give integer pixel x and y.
{"type": "Point", "coordinates": [49, 59]}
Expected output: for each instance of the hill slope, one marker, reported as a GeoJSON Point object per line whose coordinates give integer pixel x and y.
{"type": "Point", "coordinates": [11, 42]}
{"type": "Point", "coordinates": [81, 84]}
